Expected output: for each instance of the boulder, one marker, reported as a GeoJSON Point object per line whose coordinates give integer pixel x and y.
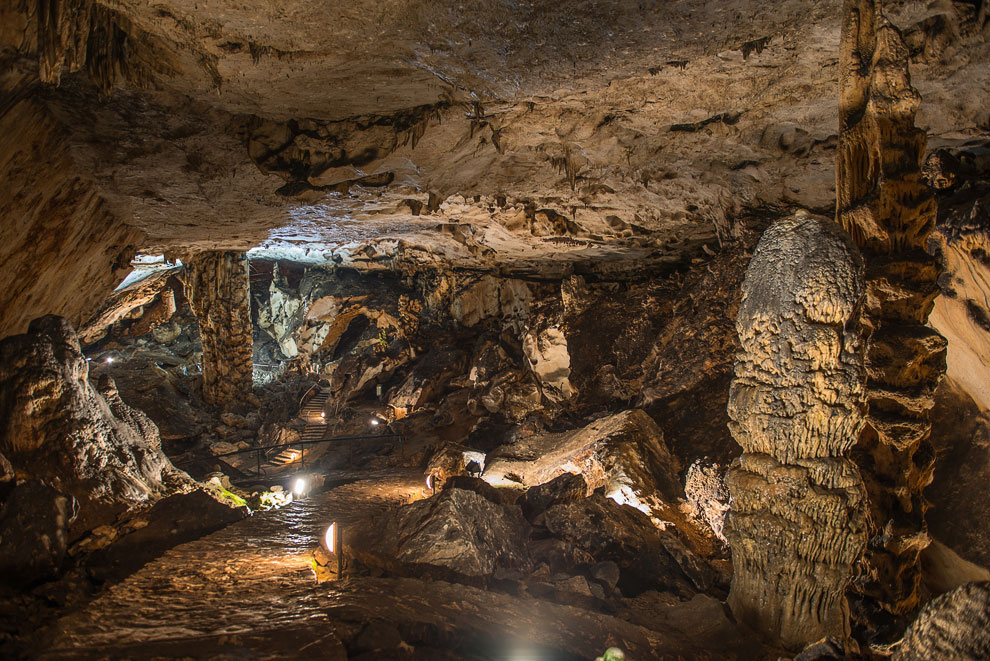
{"type": "Point", "coordinates": [625, 453]}
{"type": "Point", "coordinates": [566, 488]}
{"type": "Point", "coordinates": [955, 625]}
{"type": "Point", "coordinates": [647, 558]}
{"type": "Point", "coordinates": [457, 530]}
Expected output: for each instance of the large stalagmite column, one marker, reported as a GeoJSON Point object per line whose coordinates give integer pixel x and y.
{"type": "Point", "coordinates": [884, 204]}
{"type": "Point", "coordinates": [217, 286]}
{"type": "Point", "coordinates": [797, 514]}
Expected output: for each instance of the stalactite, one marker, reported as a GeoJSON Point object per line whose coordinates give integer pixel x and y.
{"type": "Point", "coordinates": [797, 515]}
{"type": "Point", "coordinates": [884, 204]}
{"type": "Point", "coordinates": [77, 34]}
{"type": "Point", "coordinates": [217, 286]}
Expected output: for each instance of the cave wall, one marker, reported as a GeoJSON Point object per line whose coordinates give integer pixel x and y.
{"type": "Point", "coordinates": [63, 251]}
{"type": "Point", "coordinates": [883, 202]}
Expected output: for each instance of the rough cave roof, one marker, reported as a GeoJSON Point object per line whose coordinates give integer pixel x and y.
{"type": "Point", "coordinates": [500, 132]}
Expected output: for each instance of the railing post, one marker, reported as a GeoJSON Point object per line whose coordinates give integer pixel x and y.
{"type": "Point", "coordinates": [340, 551]}
{"type": "Point", "coordinates": [257, 456]}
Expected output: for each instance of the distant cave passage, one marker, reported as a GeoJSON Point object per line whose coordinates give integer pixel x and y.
{"type": "Point", "coordinates": [349, 339]}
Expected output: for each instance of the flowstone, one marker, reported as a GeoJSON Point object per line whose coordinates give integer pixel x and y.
{"type": "Point", "coordinates": [797, 517]}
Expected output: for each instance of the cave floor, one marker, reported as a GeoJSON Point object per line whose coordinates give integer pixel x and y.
{"type": "Point", "coordinates": [248, 591]}
{"type": "Point", "coordinates": [244, 585]}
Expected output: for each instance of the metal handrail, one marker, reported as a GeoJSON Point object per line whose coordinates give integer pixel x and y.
{"type": "Point", "coordinates": [355, 437]}
{"type": "Point", "coordinates": [302, 400]}
{"type": "Point", "coordinates": [300, 444]}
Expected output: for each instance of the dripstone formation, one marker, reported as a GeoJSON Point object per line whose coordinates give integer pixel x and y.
{"type": "Point", "coordinates": [218, 289]}
{"type": "Point", "coordinates": [797, 518]}
{"type": "Point", "coordinates": [890, 213]}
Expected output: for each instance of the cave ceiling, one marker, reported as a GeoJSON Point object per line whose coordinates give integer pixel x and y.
{"type": "Point", "coordinates": [484, 133]}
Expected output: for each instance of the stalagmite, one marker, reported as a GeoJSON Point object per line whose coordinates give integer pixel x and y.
{"type": "Point", "coordinates": [218, 290]}
{"type": "Point", "coordinates": [797, 518]}
{"type": "Point", "coordinates": [886, 207]}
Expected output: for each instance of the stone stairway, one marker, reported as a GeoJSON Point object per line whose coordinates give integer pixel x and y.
{"type": "Point", "coordinates": [315, 429]}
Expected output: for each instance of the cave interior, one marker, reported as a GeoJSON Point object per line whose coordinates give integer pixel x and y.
{"type": "Point", "coordinates": [505, 330]}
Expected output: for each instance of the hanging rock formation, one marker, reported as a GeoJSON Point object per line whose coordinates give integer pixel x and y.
{"type": "Point", "coordinates": [217, 286]}
{"type": "Point", "coordinates": [797, 518]}
{"type": "Point", "coordinates": [884, 204]}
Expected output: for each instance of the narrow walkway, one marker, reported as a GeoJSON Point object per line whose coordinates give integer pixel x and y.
{"type": "Point", "coordinates": [252, 579]}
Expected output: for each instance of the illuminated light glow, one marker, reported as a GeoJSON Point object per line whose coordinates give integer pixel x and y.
{"type": "Point", "coordinates": [323, 415]}
{"type": "Point", "coordinates": [374, 421]}
{"type": "Point", "coordinates": [429, 481]}
{"type": "Point", "coordinates": [328, 537]}
{"type": "Point", "coordinates": [299, 487]}
{"type": "Point", "coordinates": [109, 359]}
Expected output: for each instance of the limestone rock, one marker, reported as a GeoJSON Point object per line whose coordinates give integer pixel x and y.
{"type": "Point", "coordinates": [647, 558]}
{"type": "Point", "coordinates": [218, 290]}
{"type": "Point", "coordinates": [34, 527]}
{"type": "Point", "coordinates": [797, 519]}
{"type": "Point", "coordinates": [547, 355]}
{"type": "Point", "coordinates": [955, 625]}
{"type": "Point", "coordinates": [491, 297]}
{"type": "Point", "coordinates": [707, 495]}
{"type": "Point", "coordinates": [84, 442]}
{"type": "Point", "coordinates": [883, 202]}
{"type": "Point", "coordinates": [625, 453]}
{"type": "Point", "coordinates": [152, 297]}
{"type": "Point", "coordinates": [58, 227]}
{"type": "Point", "coordinates": [456, 530]}
{"type": "Point", "coordinates": [565, 488]}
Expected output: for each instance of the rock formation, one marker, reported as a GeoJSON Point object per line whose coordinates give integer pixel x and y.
{"type": "Point", "coordinates": [624, 453]}
{"type": "Point", "coordinates": [885, 205]}
{"type": "Point", "coordinates": [218, 290]}
{"type": "Point", "coordinates": [797, 517]}
{"type": "Point", "coordinates": [91, 456]}
{"type": "Point", "coordinates": [955, 625]}
{"type": "Point", "coordinates": [58, 230]}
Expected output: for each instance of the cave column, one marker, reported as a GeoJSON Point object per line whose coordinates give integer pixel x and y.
{"type": "Point", "coordinates": [797, 513]}
{"type": "Point", "coordinates": [884, 204]}
{"type": "Point", "coordinates": [217, 286]}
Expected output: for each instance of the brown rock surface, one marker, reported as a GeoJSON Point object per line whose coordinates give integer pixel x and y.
{"type": "Point", "coordinates": [217, 286]}
{"type": "Point", "coordinates": [955, 625]}
{"type": "Point", "coordinates": [797, 517]}
{"type": "Point", "coordinates": [63, 250]}
{"type": "Point", "coordinates": [81, 440]}
{"type": "Point", "coordinates": [624, 453]}
{"type": "Point", "coordinates": [883, 202]}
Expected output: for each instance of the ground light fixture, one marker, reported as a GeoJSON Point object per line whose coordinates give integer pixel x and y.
{"type": "Point", "coordinates": [109, 360]}
{"type": "Point", "coordinates": [299, 487]}
{"type": "Point", "coordinates": [374, 421]}
{"type": "Point", "coordinates": [331, 542]}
